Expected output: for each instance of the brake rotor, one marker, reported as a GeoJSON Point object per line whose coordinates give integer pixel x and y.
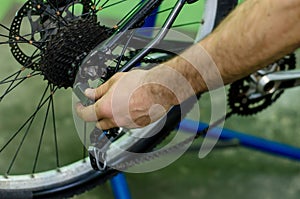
{"type": "Point", "coordinates": [58, 39]}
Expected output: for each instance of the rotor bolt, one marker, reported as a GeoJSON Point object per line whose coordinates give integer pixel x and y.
{"type": "Point", "coordinates": [17, 38]}
{"type": "Point", "coordinates": [38, 7]}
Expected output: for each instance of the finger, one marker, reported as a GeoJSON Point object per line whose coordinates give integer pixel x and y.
{"type": "Point", "coordinates": [87, 113]}
{"type": "Point", "coordinates": [106, 124]}
{"type": "Point", "coordinates": [97, 93]}
{"type": "Point", "coordinates": [90, 93]}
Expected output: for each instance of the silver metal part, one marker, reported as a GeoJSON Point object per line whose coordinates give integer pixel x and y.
{"type": "Point", "coordinates": [278, 81]}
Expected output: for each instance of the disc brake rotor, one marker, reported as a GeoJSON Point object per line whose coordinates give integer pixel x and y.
{"type": "Point", "coordinates": [53, 37]}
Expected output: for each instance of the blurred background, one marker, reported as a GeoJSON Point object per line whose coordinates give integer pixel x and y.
{"type": "Point", "coordinates": [234, 172]}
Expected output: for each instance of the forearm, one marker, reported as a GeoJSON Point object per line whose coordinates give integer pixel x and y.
{"type": "Point", "coordinates": [254, 35]}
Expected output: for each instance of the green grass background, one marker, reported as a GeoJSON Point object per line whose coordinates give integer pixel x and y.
{"type": "Point", "coordinates": [229, 173]}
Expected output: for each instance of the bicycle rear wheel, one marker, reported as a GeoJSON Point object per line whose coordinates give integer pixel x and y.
{"type": "Point", "coordinates": [37, 131]}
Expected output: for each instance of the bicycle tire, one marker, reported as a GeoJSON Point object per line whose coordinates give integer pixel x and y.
{"type": "Point", "coordinates": [79, 177]}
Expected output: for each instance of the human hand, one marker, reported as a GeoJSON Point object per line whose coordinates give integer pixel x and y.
{"type": "Point", "coordinates": [126, 100]}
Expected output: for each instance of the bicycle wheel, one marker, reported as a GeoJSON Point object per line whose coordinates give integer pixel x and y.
{"type": "Point", "coordinates": [37, 131]}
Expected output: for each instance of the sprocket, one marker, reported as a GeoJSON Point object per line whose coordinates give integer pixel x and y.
{"type": "Point", "coordinates": [45, 19]}
{"type": "Point", "coordinates": [67, 49]}
{"type": "Point", "coordinates": [58, 38]}
{"type": "Point", "coordinates": [244, 97]}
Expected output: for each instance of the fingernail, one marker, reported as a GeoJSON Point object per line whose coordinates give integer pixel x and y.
{"type": "Point", "coordinates": [89, 92]}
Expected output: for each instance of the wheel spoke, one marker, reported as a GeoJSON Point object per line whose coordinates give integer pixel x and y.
{"type": "Point", "coordinates": [42, 134]}
{"type": "Point", "coordinates": [35, 31]}
{"type": "Point", "coordinates": [11, 84]}
{"type": "Point", "coordinates": [42, 102]}
{"type": "Point", "coordinates": [5, 27]}
{"type": "Point", "coordinates": [52, 88]}
{"type": "Point", "coordinates": [21, 39]}
{"type": "Point", "coordinates": [17, 78]}
{"type": "Point", "coordinates": [10, 76]}
{"type": "Point", "coordinates": [14, 80]}
{"type": "Point", "coordinates": [15, 83]}
{"type": "Point", "coordinates": [18, 37]}
{"type": "Point", "coordinates": [124, 50]}
{"type": "Point", "coordinates": [58, 14]}
{"type": "Point", "coordinates": [102, 4]}
{"type": "Point", "coordinates": [187, 24]}
{"type": "Point", "coordinates": [113, 4]}
{"type": "Point", "coordinates": [6, 36]}
{"type": "Point", "coordinates": [73, 8]}
{"type": "Point", "coordinates": [21, 144]}
{"type": "Point", "coordinates": [162, 11]}
{"type": "Point", "coordinates": [129, 13]}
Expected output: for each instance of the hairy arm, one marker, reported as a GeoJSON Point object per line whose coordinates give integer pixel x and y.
{"type": "Point", "coordinates": [255, 34]}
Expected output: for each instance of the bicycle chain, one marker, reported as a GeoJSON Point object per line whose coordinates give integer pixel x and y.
{"type": "Point", "coordinates": [101, 162]}
{"type": "Point", "coordinates": [244, 99]}
{"type": "Point", "coordinates": [285, 63]}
